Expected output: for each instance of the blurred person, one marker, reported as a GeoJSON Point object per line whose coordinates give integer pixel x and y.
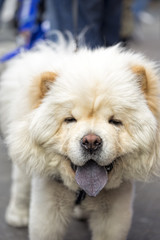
{"type": "Point", "coordinates": [30, 18]}
{"type": "Point", "coordinates": [100, 20]}
{"type": "Point", "coordinates": [30, 26]}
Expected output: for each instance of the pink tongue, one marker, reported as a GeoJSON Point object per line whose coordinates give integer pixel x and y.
{"type": "Point", "coordinates": [91, 178]}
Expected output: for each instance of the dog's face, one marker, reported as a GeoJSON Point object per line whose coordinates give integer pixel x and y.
{"type": "Point", "coordinates": [100, 109]}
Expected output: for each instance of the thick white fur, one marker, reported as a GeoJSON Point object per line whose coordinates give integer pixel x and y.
{"type": "Point", "coordinates": [92, 86]}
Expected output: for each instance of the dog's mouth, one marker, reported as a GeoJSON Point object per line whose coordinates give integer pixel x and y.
{"type": "Point", "coordinates": [92, 177]}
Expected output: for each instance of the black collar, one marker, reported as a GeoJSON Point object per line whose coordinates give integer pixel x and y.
{"type": "Point", "coordinates": [80, 196]}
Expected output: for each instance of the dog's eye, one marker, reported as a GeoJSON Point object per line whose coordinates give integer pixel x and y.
{"type": "Point", "coordinates": [115, 122]}
{"type": "Point", "coordinates": [70, 120]}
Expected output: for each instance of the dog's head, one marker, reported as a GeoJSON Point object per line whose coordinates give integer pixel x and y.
{"type": "Point", "coordinates": [97, 114]}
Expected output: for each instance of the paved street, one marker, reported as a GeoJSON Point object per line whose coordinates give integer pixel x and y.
{"type": "Point", "coordinates": [146, 220]}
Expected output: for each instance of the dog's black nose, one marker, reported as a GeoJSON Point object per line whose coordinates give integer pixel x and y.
{"type": "Point", "coordinates": [91, 142]}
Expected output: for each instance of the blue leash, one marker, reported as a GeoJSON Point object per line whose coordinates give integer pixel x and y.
{"type": "Point", "coordinates": [27, 22]}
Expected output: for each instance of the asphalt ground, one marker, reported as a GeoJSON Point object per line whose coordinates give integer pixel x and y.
{"type": "Point", "coordinates": [146, 219]}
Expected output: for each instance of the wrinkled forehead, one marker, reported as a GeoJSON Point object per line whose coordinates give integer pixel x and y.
{"type": "Point", "coordinates": [94, 91]}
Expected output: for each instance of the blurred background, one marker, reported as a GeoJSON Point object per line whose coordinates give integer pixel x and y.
{"type": "Point", "coordinates": [134, 23]}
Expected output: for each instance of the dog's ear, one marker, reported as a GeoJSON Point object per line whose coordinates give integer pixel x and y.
{"type": "Point", "coordinates": [148, 81]}
{"type": "Point", "coordinates": [46, 79]}
{"type": "Point", "coordinates": [39, 87]}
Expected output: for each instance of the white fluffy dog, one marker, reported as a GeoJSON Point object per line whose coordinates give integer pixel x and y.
{"type": "Point", "coordinates": [84, 125]}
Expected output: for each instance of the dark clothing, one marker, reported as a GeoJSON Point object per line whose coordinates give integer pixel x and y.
{"type": "Point", "coordinates": [102, 18]}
